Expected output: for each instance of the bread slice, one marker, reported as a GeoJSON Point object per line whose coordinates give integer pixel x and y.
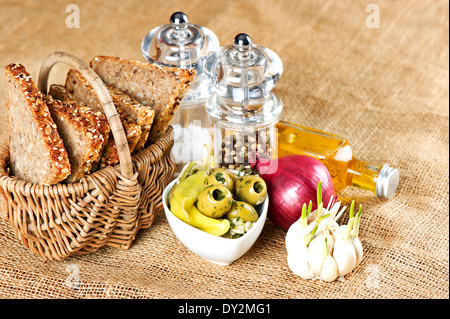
{"type": "Point", "coordinates": [82, 131]}
{"type": "Point", "coordinates": [83, 91]}
{"type": "Point", "coordinates": [161, 88]}
{"type": "Point", "coordinates": [37, 152]}
{"type": "Point", "coordinates": [140, 114]}
{"type": "Point", "coordinates": [59, 92]}
{"type": "Point", "coordinates": [109, 155]}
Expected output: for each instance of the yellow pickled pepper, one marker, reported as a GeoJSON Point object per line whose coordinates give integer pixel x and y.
{"type": "Point", "coordinates": [182, 205]}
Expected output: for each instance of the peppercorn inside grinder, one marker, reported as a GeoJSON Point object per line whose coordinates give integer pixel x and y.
{"type": "Point", "coordinates": [185, 45]}
{"type": "Point", "coordinates": [243, 108]}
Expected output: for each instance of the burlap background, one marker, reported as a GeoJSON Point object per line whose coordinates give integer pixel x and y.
{"type": "Point", "coordinates": [386, 89]}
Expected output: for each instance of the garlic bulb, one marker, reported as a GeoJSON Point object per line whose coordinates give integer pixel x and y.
{"type": "Point", "coordinates": [319, 247]}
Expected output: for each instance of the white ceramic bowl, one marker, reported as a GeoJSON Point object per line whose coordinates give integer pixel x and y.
{"type": "Point", "coordinates": [219, 250]}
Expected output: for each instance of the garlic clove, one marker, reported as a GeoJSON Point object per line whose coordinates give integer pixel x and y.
{"type": "Point", "coordinates": [315, 256]}
{"type": "Point", "coordinates": [358, 249]}
{"type": "Point", "coordinates": [291, 235]}
{"type": "Point", "coordinates": [295, 235]}
{"type": "Point", "coordinates": [298, 263]}
{"type": "Point", "coordinates": [316, 252]}
{"type": "Point", "coordinates": [299, 228]}
{"type": "Point", "coordinates": [345, 255]}
{"type": "Point", "coordinates": [330, 270]}
{"type": "Point", "coordinates": [354, 237]}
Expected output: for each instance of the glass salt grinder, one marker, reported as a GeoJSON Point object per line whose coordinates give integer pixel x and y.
{"type": "Point", "coordinates": [185, 45]}
{"type": "Point", "coordinates": [243, 108]}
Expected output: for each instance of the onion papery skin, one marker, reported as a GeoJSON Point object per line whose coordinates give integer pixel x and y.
{"type": "Point", "coordinates": [292, 181]}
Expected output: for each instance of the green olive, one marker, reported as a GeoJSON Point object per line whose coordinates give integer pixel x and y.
{"type": "Point", "coordinates": [214, 201]}
{"type": "Point", "coordinates": [221, 177]}
{"type": "Point", "coordinates": [225, 171]}
{"type": "Point", "coordinates": [242, 210]}
{"type": "Point", "coordinates": [251, 189]}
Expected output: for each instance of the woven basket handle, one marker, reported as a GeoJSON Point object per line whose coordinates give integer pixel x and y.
{"type": "Point", "coordinates": [126, 167]}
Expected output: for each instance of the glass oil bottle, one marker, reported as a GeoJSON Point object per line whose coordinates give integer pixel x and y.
{"type": "Point", "coordinates": [337, 155]}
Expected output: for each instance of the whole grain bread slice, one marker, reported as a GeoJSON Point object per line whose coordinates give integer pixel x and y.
{"type": "Point", "coordinates": [141, 115]}
{"type": "Point", "coordinates": [109, 155]}
{"type": "Point", "coordinates": [37, 152]}
{"type": "Point", "coordinates": [82, 131]}
{"type": "Point", "coordinates": [161, 88]}
{"type": "Point", "coordinates": [82, 91]}
{"type": "Point", "coordinates": [59, 92]}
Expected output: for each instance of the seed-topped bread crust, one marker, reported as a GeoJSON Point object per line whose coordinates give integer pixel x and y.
{"type": "Point", "coordinates": [59, 92]}
{"type": "Point", "coordinates": [142, 115]}
{"type": "Point", "coordinates": [109, 155]}
{"type": "Point", "coordinates": [83, 132]}
{"type": "Point", "coordinates": [82, 90]}
{"type": "Point", "coordinates": [161, 88]}
{"type": "Point", "coordinates": [37, 152]}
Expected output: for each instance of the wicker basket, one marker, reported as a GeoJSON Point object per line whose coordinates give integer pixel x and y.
{"type": "Point", "coordinates": [107, 207]}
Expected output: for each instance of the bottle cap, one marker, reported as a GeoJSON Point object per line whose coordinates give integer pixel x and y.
{"type": "Point", "coordinates": [387, 182]}
{"type": "Point", "coordinates": [243, 75]}
{"type": "Point", "coordinates": [184, 45]}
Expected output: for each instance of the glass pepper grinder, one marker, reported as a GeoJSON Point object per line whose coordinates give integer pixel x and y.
{"type": "Point", "coordinates": [185, 45]}
{"type": "Point", "coordinates": [243, 109]}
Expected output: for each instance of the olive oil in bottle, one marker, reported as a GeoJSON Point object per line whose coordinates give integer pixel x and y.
{"type": "Point", "coordinates": [336, 154]}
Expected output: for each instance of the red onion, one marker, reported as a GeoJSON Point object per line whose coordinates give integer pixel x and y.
{"type": "Point", "coordinates": [292, 181]}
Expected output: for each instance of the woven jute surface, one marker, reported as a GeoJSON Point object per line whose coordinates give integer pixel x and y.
{"type": "Point", "coordinates": [385, 89]}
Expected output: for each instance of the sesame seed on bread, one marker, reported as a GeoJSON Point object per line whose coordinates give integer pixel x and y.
{"type": "Point", "coordinates": [37, 152]}
{"type": "Point", "coordinates": [161, 88]}
{"type": "Point", "coordinates": [82, 91]}
{"type": "Point", "coordinates": [83, 132]}
{"type": "Point", "coordinates": [141, 115]}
